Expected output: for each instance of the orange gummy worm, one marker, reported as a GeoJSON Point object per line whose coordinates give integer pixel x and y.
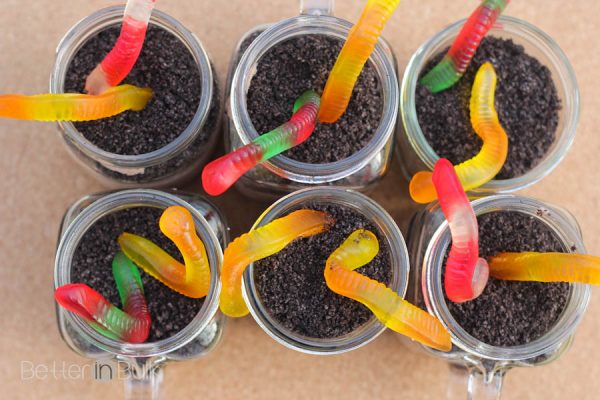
{"type": "Point", "coordinates": [489, 161]}
{"type": "Point", "coordinates": [74, 106]}
{"type": "Point", "coordinates": [260, 243]}
{"type": "Point", "coordinates": [546, 267]}
{"type": "Point", "coordinates": [392, 310]}
{"type": "Point", "coordinates": [361, 42]}
{"type": "Point", "coordinates": [191, 279]}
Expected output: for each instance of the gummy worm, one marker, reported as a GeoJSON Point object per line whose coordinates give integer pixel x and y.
{"type": "Point", "coordinates": [546, 267]}
{"type": "Point", "coordinates": [392, 310]}
{"type": "Point", "coordinates": [74, 106]}
{"type": "Point", "coordinates": [361, 42]}
{"type": "Point", "coordinates": [260, 243]}
{"type": "Point", "coordinates": [454, 64]}
{"type": "Point", "coordinates": [221, 173]}
{"type": "Point", "coordinates": [191, 279]}
{"type": "Point", "coordinates": [489, 161]}
{"type": "Point", "coordinates": [130, 325]}
{"type": "Point", "coordinates": [466, 273]}
{"type": "Point", "coordinates": [120, 60]}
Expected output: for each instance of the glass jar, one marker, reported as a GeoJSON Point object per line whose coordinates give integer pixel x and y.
{"type": "Point", "coordinates": [170, 165]}
{"type": "Point", "coordinates": [483, 365]}
{"type": "Point", "coordinates": [415, 152]}
{"type": "Point", "coordinates": [282, 175]}
{"type": "Point", "coordinates": [398, 260]}
{"type": "Point", "coordinates": [143, 362]}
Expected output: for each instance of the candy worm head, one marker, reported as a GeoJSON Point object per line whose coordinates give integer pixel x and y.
{"type": "Point", "coordinates": [177, 221]}
{"type": "Point", "coordinates": [357, 250]}
{"type": "Point", "coordinates": [96, 82]}
{"type": "Point", "coordinates": [483, 95]}
{"type": "Point", "coordinates": [72, 298]}
{"type": "Point", "coordinates": [310, 96]}
{"type": "Point", "coordinates": [125, 271]}
{"type": "Point", "coordinates": [421, 188]}
{"type": "Point", "coordinates": [488, 73]}
{"type": "Point", "coordinates": [481, 275]}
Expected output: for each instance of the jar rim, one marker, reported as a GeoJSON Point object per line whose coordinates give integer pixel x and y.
{"type": "Point", "coordinates": [566, 80]}
{"type": "Point", "coordinates": [398, 259]}
{"type": "Point", "coordinates": [302, 172]}
{"type": "Point", "coordinates": [566, 230]}
{"type": "Point", "coordinates": [132, 198]}
{"type": "Point", "coordinates": [100, 20]}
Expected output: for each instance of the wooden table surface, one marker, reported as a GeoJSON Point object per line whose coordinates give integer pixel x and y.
{"type": "Point", "coordinates": [40, 180]}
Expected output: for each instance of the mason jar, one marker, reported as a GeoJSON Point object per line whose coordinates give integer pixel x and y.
{"type": "Point", "coordinates": [415, 152]}
{"type": "Point", "coordinates": [173, 164]}
{"type": "Point", "coordinates": [143, 362]}
{"type": "Point", "coordinates": [399, 262]}
{"type": "Point", "coordinates": [282, 175]}
{"type": "Point", "coordinates": [479, 366]}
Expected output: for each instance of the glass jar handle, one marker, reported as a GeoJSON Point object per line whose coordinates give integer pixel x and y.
{"type": "Point", "coordinates": [144, 378]}
{"type": "Point", "coordinates": [317, 7]}
{"type": "Point", "coordinates": [479, 384]}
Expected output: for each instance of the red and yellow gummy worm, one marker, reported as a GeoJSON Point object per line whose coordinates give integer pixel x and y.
{"type": "Point", "coordinates": [546, 267]}
{"type": "Point", "coordinates": [258, 244]}
{"type": "Point", "coordinates": [356, 51]}
{"type": "Point", "coordinates": [74, 106]}
{"type": "Point", "coordinates": [490, 159]}
{"type": "Point", "coordinates": [392, 310]}
{"type": "Point", "coordinates": [120, 60]}
{"type": "Point", "coordinates": [191, 279]}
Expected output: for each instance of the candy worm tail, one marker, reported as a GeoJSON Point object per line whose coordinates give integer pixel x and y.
{"type": "Point", "coordinates": [546, 267]}
{"type": "Point", "coordinates": [455, 63]}
{"type": "Point", "coordinates": [393, 311]}
{"type": "Point", "coordinates": [361, 42]}
{"type": "Point", "coordinates": [490, 159]}
{"type": "Point", "coordinates": [73, 106]}
{"type": "Point", "coordinates": [191, 279]}
{"type": "Point", "coordinates": [223, 172]}
{"type": "Point", "coordinates": [120, 60]}
{"type": "Point", "coordinates": [130, 325]}
{"type": "Point", "coordinates": [466, 274]}
{"type": "Point", "coordinates": [258, 244]}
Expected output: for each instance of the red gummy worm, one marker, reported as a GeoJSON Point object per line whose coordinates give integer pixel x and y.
{"type": "Point", "coordinates": [466, 274]}
{"type": "Point", "coordinates": [120, 60]}
{"type": "Point", "coordinates": [223, 172]}
{"type": "Point", "coordinates": [130, 325]}
{"type": "Point", "coordinates": [454, 64]}
{"type": "Point", "coordinates": [479, 23]}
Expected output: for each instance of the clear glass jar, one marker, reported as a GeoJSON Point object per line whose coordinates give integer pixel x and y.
{"type": "Point", "coordinates": [415, 152]}
{"type": "Point", "coordinates": [143, 362]}
{"type": "Point", "coordinates": [398, 260]}
{"type": "Point", "coordinates": [282, 175]}
{"type": "Point", "coordinates": [177, 162]}
{"type": "Point", "coordinates": [482, 365]}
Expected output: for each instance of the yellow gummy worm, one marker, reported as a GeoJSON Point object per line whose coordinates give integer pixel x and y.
{"type": "Point", "coordinates": [546, 267]}
{"type": "Point", "coordinates": [393, 311]}
{"type": "Point", "coordinates": [260, 243]}
{"type": "Point", "coordinates": [191, 279]}
{"type": "Point", "coordinates": [74, 106]}
{"type": "Point", "coordinates": [489, 161]}
{"type": "Point", "coordinates": [361, 42]}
